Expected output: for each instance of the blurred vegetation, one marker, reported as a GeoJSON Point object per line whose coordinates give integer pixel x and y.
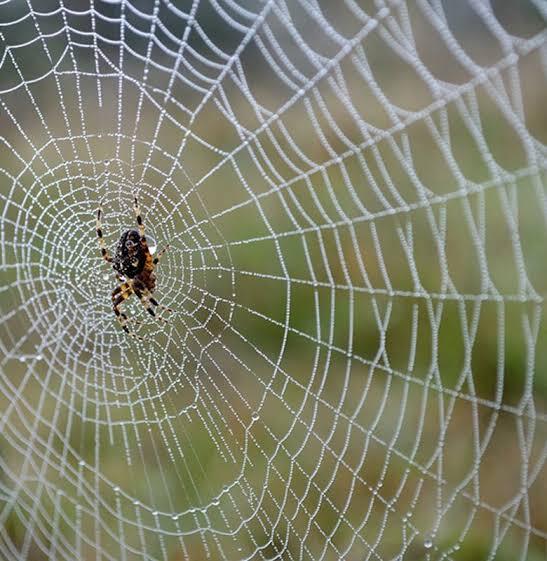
{"type": "Point", "coordinates": [381, 399]}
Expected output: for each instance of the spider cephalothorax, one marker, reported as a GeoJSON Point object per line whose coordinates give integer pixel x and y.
{"type": "Point", "coordinates": [134, 266]}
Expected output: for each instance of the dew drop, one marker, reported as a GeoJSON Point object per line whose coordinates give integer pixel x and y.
{"type": "Point", "coordinates": [22, 359]}
{"type": "Point", "coordinates": [175, 517]}
{"type": "Point", "coordinates": [255, 417]}
{"type": "Point", "coordinates": [81, 463]}
{"type": "Point", "coordinates": [428, 544]}
{"type": "Point", "coordinates": [39, 357]}
{"type": "Point", "coordinates": [106, 276]}
{"type": "Point", "coordinates": [152, 245]}
{"type": "Point", "coordinates": [155, 513]}
{"type": "Point", "coordinates": [382, 13]}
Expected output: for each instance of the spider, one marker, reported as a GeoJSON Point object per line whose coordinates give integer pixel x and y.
{"type": "Point", "coordinates": [134, 267]}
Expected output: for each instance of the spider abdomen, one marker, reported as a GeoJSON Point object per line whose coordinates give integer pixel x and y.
{"type": "Point", "coordinates": [130, 257]}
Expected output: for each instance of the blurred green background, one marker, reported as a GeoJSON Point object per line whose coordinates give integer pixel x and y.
{"type": "Point", "coordinates": [356, 364]}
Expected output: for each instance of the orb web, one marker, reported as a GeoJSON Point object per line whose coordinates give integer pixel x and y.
{"type": "Point", "coordinates": [353, 195]}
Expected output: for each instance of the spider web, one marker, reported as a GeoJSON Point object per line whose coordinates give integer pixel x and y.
{"type": "Point", "coordinates": [354, 198]}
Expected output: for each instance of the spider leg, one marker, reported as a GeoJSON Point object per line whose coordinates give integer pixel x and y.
{"type": "Point", "coordinates": [144, 296]}
{"type": "Point", "coordinates": [140, 287]}
{"type": "Point", "coordinates": [158, 256]}
{"type": "Point", "coordinates": [99, 228]}
{"type": "Point", "coordinates": [139, 218]}
{"type": "Point", "coordinates": [155, 303]}
{"type": "Point", "coordinates": [119, 295]}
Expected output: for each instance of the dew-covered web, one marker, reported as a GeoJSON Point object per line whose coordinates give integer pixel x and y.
{"type": "Point", "coordinates": [354, 194]}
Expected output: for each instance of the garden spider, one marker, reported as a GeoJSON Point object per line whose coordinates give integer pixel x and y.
{"type": "Point", "coordinates": [134, 267]}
